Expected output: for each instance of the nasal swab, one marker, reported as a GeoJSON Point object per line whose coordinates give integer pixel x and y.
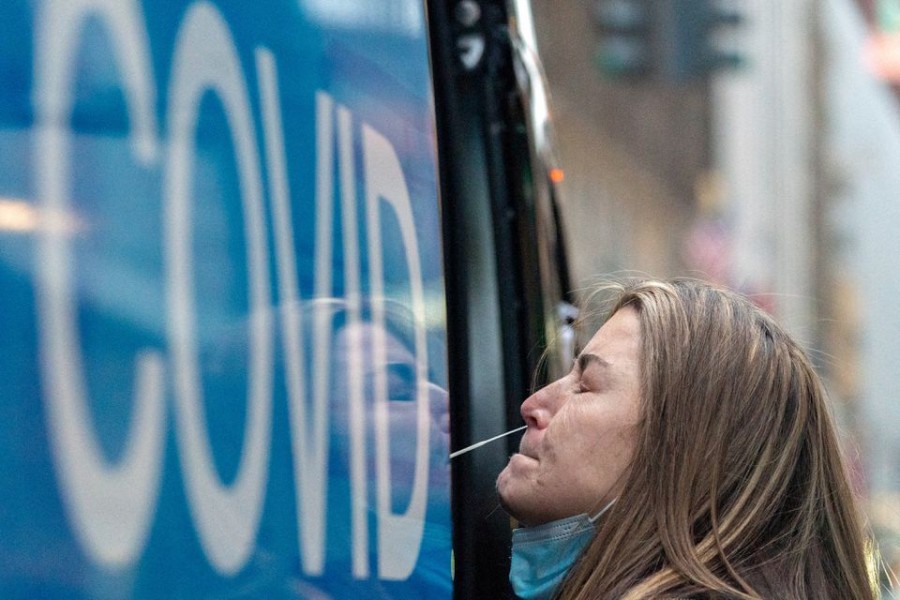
{"type": "Point", "coordinates": [483, 442]}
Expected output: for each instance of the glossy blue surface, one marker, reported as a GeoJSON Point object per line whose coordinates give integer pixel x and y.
{"type": "Point", "coordinates": [222, 327]}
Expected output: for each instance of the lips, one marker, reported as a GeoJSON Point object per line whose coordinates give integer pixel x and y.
{"type": "Point", "coordinates": [526, 449]}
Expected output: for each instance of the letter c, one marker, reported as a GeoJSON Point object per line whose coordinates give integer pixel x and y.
{"type": "Point", "coordinates": [110, 506]}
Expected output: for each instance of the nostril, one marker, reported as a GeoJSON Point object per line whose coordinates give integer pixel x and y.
{"type": "Point", "coordinates": [531, 411]}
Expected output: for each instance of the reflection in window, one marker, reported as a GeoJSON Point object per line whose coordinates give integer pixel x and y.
{"type": "Point", "coordinates": [392, 16]}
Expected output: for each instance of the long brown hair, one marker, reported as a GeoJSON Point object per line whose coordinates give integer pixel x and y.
{"type": "Point", "coordinates": [737, 487]}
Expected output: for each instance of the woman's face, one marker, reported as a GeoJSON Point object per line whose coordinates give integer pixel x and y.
{"type": "Point", "coordinates": [581, 431]}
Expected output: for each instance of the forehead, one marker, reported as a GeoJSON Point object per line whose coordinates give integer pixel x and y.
{"type": "Point", "coordinates": [618, 341]}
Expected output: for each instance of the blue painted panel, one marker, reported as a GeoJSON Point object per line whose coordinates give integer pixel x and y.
{"type": "Point", "coordinates": [222, 326]}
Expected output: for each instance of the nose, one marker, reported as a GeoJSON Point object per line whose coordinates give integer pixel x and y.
{"type": "Point", "coordinates": [539, 408]}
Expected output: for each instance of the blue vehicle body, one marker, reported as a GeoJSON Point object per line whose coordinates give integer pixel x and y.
{"type": "Point", "coordinates": [223, 357]}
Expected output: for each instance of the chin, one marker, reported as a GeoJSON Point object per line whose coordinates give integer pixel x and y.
{"type": "Point", "coordinates": [515, 509]}
{"type": "Point", "coordinates": [503, 493]}
{"type": "Point", "coordinates": [518, 498]}
{"type": "Point", "coordinates": [516, 513]}
{"type": "Point", "coordinates": [506, 507]}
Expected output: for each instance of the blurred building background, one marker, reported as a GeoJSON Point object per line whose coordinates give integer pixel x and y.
{"type": "Point", "coordinates": [779, 178]}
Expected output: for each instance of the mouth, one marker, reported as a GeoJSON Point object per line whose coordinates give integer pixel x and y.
{"type": "Point", "coordinates": [521, 463]}
{"type": "Point", "coordinates": [526, 449]}
{"type": "Point", "coordinates": [527, 453]}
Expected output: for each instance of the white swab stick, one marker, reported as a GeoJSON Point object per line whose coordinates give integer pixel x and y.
{"type": "Point", "coordinates": [483, 442]}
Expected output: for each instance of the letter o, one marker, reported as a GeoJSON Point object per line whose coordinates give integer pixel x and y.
{"type": "Point", "coordinates": [226, 517]}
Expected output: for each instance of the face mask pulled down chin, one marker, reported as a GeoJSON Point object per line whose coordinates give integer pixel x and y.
{"type": "Point", "coordinates": [542, 555]}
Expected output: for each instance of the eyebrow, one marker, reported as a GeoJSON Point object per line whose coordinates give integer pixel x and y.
{"type": "Point", "coordinates": [586, 360]}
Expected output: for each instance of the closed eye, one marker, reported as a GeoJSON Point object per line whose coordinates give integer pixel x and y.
{"type": "Point", "coordinates": [592, 369]}
{"type": "Point", "coordinates": [580, 388]}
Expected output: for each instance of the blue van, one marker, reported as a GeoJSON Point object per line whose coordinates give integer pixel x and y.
{"type": "Point", "coordinates": [263, 266]}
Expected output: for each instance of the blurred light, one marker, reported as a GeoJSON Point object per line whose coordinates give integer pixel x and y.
{"type": "Point", "coordinates": [389, 16]}
{"type": "Point", "coordinates": [625, 43]}
{"type": "Point", "coordinates": [622, 57]}
{"type": "Point", "coordinates": [887, 13]}
{"type": "Point", "coordinates": [557, 175]}
{"type": "Point", "coordinates": [669, 40]}
{"type": "Point", "coordinates": [467, 13]}
{"type": "Point", "coordinates": [20, 216]}
{"type": "Point", "coordinates": [882, 55]}
{"type": "Point", "coordinates": [471, 50]}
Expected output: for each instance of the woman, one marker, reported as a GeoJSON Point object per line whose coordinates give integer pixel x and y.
{"type": "Point", "coordinates": [700, 432]}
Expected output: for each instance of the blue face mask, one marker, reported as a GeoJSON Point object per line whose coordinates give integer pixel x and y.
{"type": "Point", "coordinates": [542, 555]}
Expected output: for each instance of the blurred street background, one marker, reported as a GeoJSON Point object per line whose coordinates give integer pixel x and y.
{"type": "Point", "coordinates": [763, 153]}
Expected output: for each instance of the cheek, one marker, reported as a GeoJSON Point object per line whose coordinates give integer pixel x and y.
{"type": "Point", "coordinates": [577, 429]}
{"type": "Point", "coordinates": [590, 448]}
{"type": "Point", "coordinates": [612, 457]}
{"type": "Point", "coordinates": [583, 455]}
